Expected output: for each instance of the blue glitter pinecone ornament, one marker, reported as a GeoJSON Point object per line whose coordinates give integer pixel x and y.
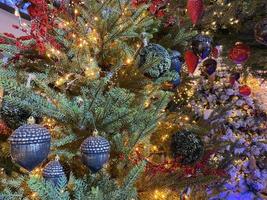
{"type": "Point", "coordinates": [54, 172]}
{"type": "Point", "coordinates": [95, 152]}
{"type": "Point", "coordinates": [30, 145]}
{"type": "Point", "coordinates": [154, 52]}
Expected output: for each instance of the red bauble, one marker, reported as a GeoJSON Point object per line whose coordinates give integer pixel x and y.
{"type": "Point", "coordinates": [195, 10]}
{"type": "Point", "coordinates": [239, 53]}
{"type": "Point", "coordinates": [191, 61]}
{"type": "Point", "coordinates": [245, 90]}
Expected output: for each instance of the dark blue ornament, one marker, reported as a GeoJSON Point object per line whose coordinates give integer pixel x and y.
{"type": "Point", "coordinates": [176, 82]}
{"type": "Point", "coordinates": [176, 61]}
{"type": "Point", "coordinates": [206, 52]}
{"type": "Point", "coordinates": [54, 172]}
{"type": "Point", "coordinates": [202, 46]}
{"type": "Point", "coordinates": [30, 145]}
{"type": "Point", "coordinates": [95, 152]}
{"type": "Point", "coordinates": [210, 66]}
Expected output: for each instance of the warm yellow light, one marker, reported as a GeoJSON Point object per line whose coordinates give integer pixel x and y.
{"type": "Point", "coordinates": [96, 18]}
{"type": "Point", "coordinates": [76, 11]}
{"type": "Point", "coordinates": [129, 61]}
{"type": "Point", "coordinates": [34, 195]}
{"type": "Point", "coordinates": [154, 148]}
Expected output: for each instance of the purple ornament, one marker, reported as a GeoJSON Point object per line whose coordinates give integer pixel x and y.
{"type": "Point", "coordinates": [210, 66]}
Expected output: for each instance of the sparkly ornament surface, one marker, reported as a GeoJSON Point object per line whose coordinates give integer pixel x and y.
{"type": "Point", "coordinates": [202, 46]}
{"type": "Point", "coordinates": [30, 145]}
{"type": "Point", "coordinates": [239, 53]}
{"type": "Point", "coordinates": [95, 152]}
{"type": "Point", "coordinates": [195, 10]}
{"type": "Point", "coordinates": [176, 61]}
{"type": "Point", "coordinates": [13, 115]}
{"type": "Point", "coordinates": [188, 146]}
{"type": "Point", "coordinates": [261, 32]}
{"type": "Point", "coordinates": [54, 172]}
{"type": "Point", "coordinates": [154, 52]}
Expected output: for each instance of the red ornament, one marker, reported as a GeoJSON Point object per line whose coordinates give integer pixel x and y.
{"type": "Point", "coordinates": [239, 53]}
{"type": "Point", "coordinates": [245, 90]}
{"type": "Point", "coordinates": [195, 10]}
{"type": "Point", "coordinates": [191, 61]}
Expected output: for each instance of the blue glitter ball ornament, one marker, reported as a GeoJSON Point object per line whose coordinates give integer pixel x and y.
{"type": "Point", "coordinates": [202, 46]}
{"type": "Point", "coordinates": [176, 82]}
{"type": "Point", "coordinates": [54, 172]}
{"type": "Point", "coordinates": [176, 61]}
{"type": "Point", "coordinates": [154, 52]}
{"type": "Point", "coordinates": [95, 152]}
{"type": "Point", "coordinates": [30, 145]}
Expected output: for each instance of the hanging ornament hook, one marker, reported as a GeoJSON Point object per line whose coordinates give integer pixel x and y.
{"type": "Point", "coordinates": [29, 80]}
{"type": "Point", "coordinates": [57, 158]}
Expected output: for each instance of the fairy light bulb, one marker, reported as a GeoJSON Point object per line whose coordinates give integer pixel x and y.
{"type": "Point", "coordinates": [129, 61]}
{"type": "Point", "coordinates": [16, 13]}
{"type": "Point", "coordinates": [75, 11]}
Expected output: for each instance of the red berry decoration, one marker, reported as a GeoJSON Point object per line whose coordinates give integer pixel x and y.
{"type": "Point", "coordinates": [191, 61]}
{"type": "Point", "coordinates": [239, 53]}
{"type": "Point", "coordinates": [195, 10]}
{"type": "Point", "coordinates": [245, 90]}
{"type": "Point", "coordinates": [4, 130]}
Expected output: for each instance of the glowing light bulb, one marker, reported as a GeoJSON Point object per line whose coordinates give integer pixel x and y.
{"type": "Point", "coordinates": [129, 60]}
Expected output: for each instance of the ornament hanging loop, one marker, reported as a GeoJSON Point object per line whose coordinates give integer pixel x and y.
{"type": "Point", "coordinates": [95, 132]}
{"type": "Point", "coordinates": [145, 38]}
{"type": "Point", "coordinates": [57, 158]}
{"type": "Point", "coordinates": [29, 80]}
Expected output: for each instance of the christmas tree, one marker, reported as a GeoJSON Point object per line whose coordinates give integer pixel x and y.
{"type": "Point", "coordinates": [125, 99]}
